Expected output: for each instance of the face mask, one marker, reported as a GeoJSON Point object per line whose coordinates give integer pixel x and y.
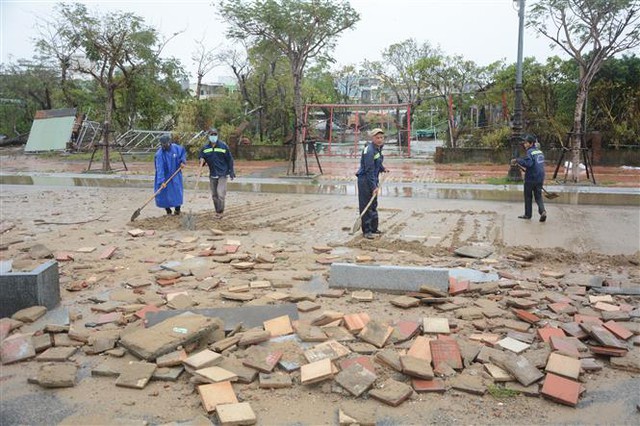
{"type": "Point", "coordinates": [213, 138]}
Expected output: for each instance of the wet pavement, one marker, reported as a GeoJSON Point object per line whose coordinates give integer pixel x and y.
{"type": "Point", "coordinates": [408, 178]}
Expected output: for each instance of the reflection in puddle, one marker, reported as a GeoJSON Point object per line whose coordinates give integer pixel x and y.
{"type": "Point", "coordinates": [511, 193]}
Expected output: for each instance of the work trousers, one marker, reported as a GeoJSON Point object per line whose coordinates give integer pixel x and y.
{"type": "Point", "coordinates": [533, 190]}
{"type": "Point", "coordinates": [218, 192]}
{"type": "Point", "coordinates": [370, 218]}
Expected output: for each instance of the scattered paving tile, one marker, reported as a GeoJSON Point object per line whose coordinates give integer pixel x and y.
{"type": "Point", "coordinates": [421, 348]}
{"type": "Point", "coordinates": [254, 337]}
{"type": "Point", "coordinates": [468, 383]}
{"type": "Point", "coordinates": [215, 375]}
{"type": "Point", "coordinates": [416, 367]}
{"type": "Point", "coordinates": [362, 295]}
{"type": "Point", "coordinates": [362, 348]}
{"type": "Point", "coordinates": [563, 365]}
{"type": "Point", "coordinates": [545, 333]}
{"type": "Point", "coordinates": [619, 330]}
{"type": "Point", "coordinates": [526, 316]}
{"type": "Point", "coordinates": [560, 389]}
{"type": "Point", "coordinates": [447, 351]}
{"type": "Point", "coordinates": [356, 322]}
{"type": "Point", "coordinates": [590, 365]}
{"type": "Point", "coordinates": [245, 374]}
{"type": "Point", "coordinates": [307, 306]}
{"type": "Point", "coordinates": [362, 360]}
{"type": "Point", "coordinates": [434, 385]}
{"type": "Point", "coordinates": [330, 349]}
{"type": "Point", "coordinates": [390, 358]}
{"type": "Point", "coordinates": [392, 392]}
{"type": "Point", "coordinates": [603, 306]}
{"type": "Point", "coordinates": [316, 371]}
{"type": "Point", "coordinates": [603, 335]}
{"type": "Point", "coordinates": [239, 413]}
{"type": "Point", "coordinates": [59, 354]}
{"type": "Point", "coordinates": [404, 330]}
{"type": "Point", "coordinates": [135, 375]}
{"type": "Point", "coordinates": [327, 317]}
{"type": "Point", "coordinates": [513, 345]}
{"type": "Point", "coordinates": [202, 359]}
{"type": "Point", "coordinates": [356, 379]}
{"type": "Point", "coordinates": [405, 302]}
{"type": "Point", "coordinates": [15, 348]}
{"type": "Point", "coordinates": [215, 394]}
{"type": "Point", "coordinates": [261, 358]}
{"type": "Point", "coordinates": [518, 366]}
{"type": "Point", "coordinates": [30, 314]}
{"type": "Point", "coordinates": [564, 346]}
{"type": "Point", "coordinates": [435, 326]}
{"type": "Point", "coordinates": [498, 374]}
{"type": "Point", "coordinates": [274, 381]}
{"type": "Point", "coordinates": [57, 375]}
{"type": "Point", "coordinates": [279, 326]}
{"type": "Point", "coordinates": [376, 333]}
{"type": "Point", "coordinates": [167, 374]}
{"type": "Point", "coordinates": [457, 286]}
{"type": "Point", "coordinates": [630, 362]}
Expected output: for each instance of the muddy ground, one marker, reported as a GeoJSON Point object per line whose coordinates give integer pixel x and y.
{"type": "Point", "coordinates": [419, 232]}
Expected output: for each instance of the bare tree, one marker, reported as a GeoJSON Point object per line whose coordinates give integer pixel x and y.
{"type": "Point", "coordinates": [205, 60]}
{"type": "Point", "coordinates": [589, 31]}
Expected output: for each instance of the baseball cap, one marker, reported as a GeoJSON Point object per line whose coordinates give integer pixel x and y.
{"type": "Point", "coordinates": [213, 131]}
{"type": "Point", "coordinates": [375, 131]}
{"type": "Point", "coordinates": [528, 137]}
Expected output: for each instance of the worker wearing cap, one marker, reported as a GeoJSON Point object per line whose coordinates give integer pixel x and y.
{"type": "Point", "coordinates": [169, 158]}
{"type": "Point", "coordinates": [533, 164]}
{"type": "Point", "coordinates": [220, 161]}
{"type": "Point", "coordinates": [368, 182]}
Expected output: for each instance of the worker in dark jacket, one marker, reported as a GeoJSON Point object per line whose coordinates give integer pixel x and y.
{"type": "Point", "coordinates": [368, 182]}
{"type": "Point", "coordinates": [533, 165]}
{"type": "Point", "coordinates": [220, 161]}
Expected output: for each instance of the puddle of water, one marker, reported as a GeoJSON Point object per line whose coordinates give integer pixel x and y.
{"type": "Point", "coordinates": [582, 196]}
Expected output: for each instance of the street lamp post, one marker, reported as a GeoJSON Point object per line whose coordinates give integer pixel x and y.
{"type": "Point", "coordinates": [516, 130]}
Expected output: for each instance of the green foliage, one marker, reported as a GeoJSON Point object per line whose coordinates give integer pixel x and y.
{"type": "Point", "coordinates": [500, 392]}
{"type": "Point", "coordinates": [497, 138]}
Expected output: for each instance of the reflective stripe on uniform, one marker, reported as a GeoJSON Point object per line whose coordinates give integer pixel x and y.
{"type": "Point", "coordinates": [207, 150]}
{"type": "Point", "coordinates": [220, 150]}
{"type": "Point", "coordinates": [376, 156]}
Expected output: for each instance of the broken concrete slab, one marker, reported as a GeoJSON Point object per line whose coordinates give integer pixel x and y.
{"type": "Point", "coordinates": [387, 278]}
{"type": "Point", "coordinates": [356, 379]}
{"type": "Point", "coordinates": [60, 354]}
{"type": "Point", "coordinates": [215, 394]}
{"type": "Point", "coordinates": [475, 252]}
{"type": "Point", "coordinates": [248, 316]}
{"type": "Point", "coordinates": [40, 287]}
{"type": "Point", "coordinates": [57, 375]}
{"type": "Point", "coordinates": [30, 314]}
{"type": "Point", "coordinates": [518, 366]}
{"type": "Point", "coordinates": [17, 347]}
{"type": "Point", "coordinates": [135, 374]}
{"type": "Point", "coordinates": [392, 392]}
{"type": "Point", "coordinates": [239, 413]}
{"type": "Point", "coordinates": [274, 381]}
{"type": "Point", "coordinates": [166, 336]}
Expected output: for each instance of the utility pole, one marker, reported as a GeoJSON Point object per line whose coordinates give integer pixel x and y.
{"type": "Point", "coordinates": [516, 130]}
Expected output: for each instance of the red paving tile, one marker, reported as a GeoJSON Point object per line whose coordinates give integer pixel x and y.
{"type": "Point", "coordinates": [559, 389]}
{"type": "Point", "coordinates": [447, 351]}
{"type": "Point", "coordinates": [618, 329]}
{"type": "Point", "coordinates": [545, 333]}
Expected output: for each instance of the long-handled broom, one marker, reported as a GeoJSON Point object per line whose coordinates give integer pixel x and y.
{"type": "Point", "coordinates": [358, 222]}
{"type": "Point", "coordinates": [189, 219]}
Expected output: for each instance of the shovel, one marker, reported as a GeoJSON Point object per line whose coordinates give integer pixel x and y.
{"type": "Point", "coordinates": [549, 195]}
{"type": "Point", "coordinates": [164, 184]}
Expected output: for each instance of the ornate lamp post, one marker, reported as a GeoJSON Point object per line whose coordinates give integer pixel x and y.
{"type": "Point", "coordinates": [516, 131]}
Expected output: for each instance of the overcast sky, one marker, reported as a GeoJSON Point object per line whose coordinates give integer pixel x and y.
{"type": "Point", "coordinates": [480, 30]}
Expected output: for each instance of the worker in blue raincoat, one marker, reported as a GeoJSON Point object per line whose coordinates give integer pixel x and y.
{"type": "Point", "coordinates": [369, 183]}
{"type": "Point", "coordinates": [169, 158]}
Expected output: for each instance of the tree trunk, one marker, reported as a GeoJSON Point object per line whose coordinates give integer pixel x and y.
{"type": "Point", "coordinates": [198, 86]}
{"type": "Point", "coordinates": [106, 164]}
{"type": "Point", "coordinates": [576, 136]}
{"type": "Point", "coordinates": [297, 106]}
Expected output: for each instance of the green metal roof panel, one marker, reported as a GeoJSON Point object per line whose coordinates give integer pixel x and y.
{"type": "Point", "coordinates": [50, 134]}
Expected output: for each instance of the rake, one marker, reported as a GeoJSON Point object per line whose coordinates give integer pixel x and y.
{"type": "Point", "coordinates": [189, 219]}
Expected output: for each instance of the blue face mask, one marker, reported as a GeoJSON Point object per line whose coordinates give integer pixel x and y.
{"type": "Point", "coordinates": [213, 138]}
